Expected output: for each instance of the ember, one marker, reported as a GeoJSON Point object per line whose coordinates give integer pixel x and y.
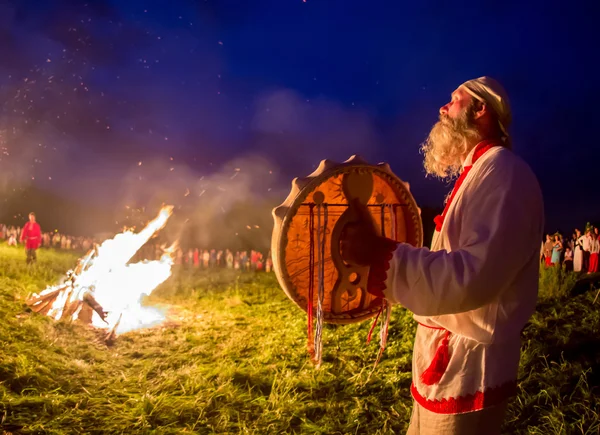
{"type": "Point", "coordinates": [104, 290]}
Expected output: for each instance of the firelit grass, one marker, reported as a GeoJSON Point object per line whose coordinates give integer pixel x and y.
{"type": "Point", "coordinates": [231, 358]}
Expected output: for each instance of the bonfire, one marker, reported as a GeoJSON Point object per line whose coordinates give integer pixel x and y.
{"type": "Point", "coordinates": [105, 290]}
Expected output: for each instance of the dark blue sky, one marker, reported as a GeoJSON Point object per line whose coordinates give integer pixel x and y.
{"type": "Point", "coordinates": [266, 89]}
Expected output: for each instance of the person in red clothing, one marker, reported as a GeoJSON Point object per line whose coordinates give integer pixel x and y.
{"type": "Point", "coordinates": [32, 237]}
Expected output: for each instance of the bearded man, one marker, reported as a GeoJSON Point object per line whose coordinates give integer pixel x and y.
{"type": "Point", "coordinates": [475, 289]}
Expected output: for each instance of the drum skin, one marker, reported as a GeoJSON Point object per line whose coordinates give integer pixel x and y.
{"type": "Point", "coordinates": [322, 198]}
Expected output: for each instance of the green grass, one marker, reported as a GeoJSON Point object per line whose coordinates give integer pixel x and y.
{"type": "Point", "coordinates": [231, 358]}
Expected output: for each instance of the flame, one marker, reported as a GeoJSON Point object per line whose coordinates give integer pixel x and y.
{"type": "Point", "coordinates": [116, 285]}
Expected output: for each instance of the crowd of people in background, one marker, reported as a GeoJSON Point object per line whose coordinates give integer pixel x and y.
{"type": "Point", "coordinates": [192, 257]}
{"type": "Point", "coordinates": [213, 258]}
{"type": "Point", "coordinates": [578, 253]}
{"type": "Point", "coordinates": [56, 240]}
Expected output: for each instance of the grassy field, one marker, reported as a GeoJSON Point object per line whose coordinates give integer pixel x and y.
{"type": "Point", "coordinates": [232, 359]}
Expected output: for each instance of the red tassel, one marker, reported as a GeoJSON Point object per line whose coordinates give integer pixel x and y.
{"type": "Point", "coordinates": [440, 362]}
{"type": "Point", "coordinates": [310, 344]}
{"type": "Point", "coordinates": [374, 324]}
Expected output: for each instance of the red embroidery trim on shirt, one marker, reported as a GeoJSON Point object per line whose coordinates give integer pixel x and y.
{"type": "Point", "coordinates": [481, 148]}
{"type": "Point", "coordinates": [431, 327]}
{"type": "Point", "coordinates": [471, 402]}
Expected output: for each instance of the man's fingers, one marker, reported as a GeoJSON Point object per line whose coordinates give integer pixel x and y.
{"type": "Point", "coordinates": [350, 240]}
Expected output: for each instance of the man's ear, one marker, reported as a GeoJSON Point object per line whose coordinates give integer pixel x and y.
{"type": "Point", "coordinates": [481, 109]}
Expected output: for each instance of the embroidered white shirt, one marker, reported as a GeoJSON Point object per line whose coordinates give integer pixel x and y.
{"type": "Point", "coordinates": [479, 280]}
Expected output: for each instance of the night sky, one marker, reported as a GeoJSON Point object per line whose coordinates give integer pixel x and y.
{"type": "Point", "coordinates": [109, 102]}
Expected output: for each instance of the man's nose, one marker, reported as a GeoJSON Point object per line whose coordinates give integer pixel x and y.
{"type": "Point", "coordinates": [444, 110]}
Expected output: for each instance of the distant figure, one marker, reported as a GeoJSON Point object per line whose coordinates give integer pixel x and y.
{"type": "Point", "coordinates": [269, 264]}
{"type": "Point", "coordinates": [196, 258]}
{"type": "Point", "coordinates": [205, 258]}
{"type": "Point", "coordinates": [229, 256]}
{"type": "Point", "coordinates": [259, 261]}
{"type": "Point", "coordinates": [568, 260]}
{"type": "Point", "coordinates": [556, 251]}
{"type": "Point", "coordinates": [244, 261]}
{"type": "Point", "coordinates": [46, 240]}
{"type": "Point", "coordinates": [594, 251]}
{"type": "Point", "coordinates": [32, 236]}
{"type": "Point", "coordinates": [12, 240]}
{"type": "Point", "coordinates": [578, 251]}
{"type": "Point", "coordinates": [548, 246]}
{"type": "Point", "coordinates": [585, 246]}
{"type": "Point", "coordinates": [56, 240]}
{"type": "Point", "coordinates": [86, 244]}
{"type": "Point", "coordinates": [179, 256]}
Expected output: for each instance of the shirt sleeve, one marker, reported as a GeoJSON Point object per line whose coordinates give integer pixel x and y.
{"type": "Point", "coordinates": [500, 222]}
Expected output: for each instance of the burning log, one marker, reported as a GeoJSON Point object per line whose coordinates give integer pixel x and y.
{"type": "Point", "coordinates": [104, 290]}
{"type": "Point", "coordinates": [69, 300]}
{"type": "Point", "coordinates": [112, 334]}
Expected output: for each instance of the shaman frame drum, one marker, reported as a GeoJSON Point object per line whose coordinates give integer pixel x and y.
{"type": "Point", "coordinates": [305, 245]}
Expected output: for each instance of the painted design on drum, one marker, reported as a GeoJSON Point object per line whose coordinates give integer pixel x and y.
{"type": "Point", "coordinates": [330, 188]}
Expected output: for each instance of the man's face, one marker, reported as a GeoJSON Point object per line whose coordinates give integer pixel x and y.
{"type": "Point", "coordinates": [31, 218]}
{"type": "Point", "coordinates": [459, 101]}
{"type": "Point", "coordinates": [452, 137]}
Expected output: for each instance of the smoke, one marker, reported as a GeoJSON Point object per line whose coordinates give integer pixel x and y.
{"type": "Point", "coordinates": [231, 206]}
{"type": "Point", "coordinates": [226, 208]}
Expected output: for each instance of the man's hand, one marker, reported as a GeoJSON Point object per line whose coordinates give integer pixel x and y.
{"type": "Point", "coordinates": [360, 240]}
